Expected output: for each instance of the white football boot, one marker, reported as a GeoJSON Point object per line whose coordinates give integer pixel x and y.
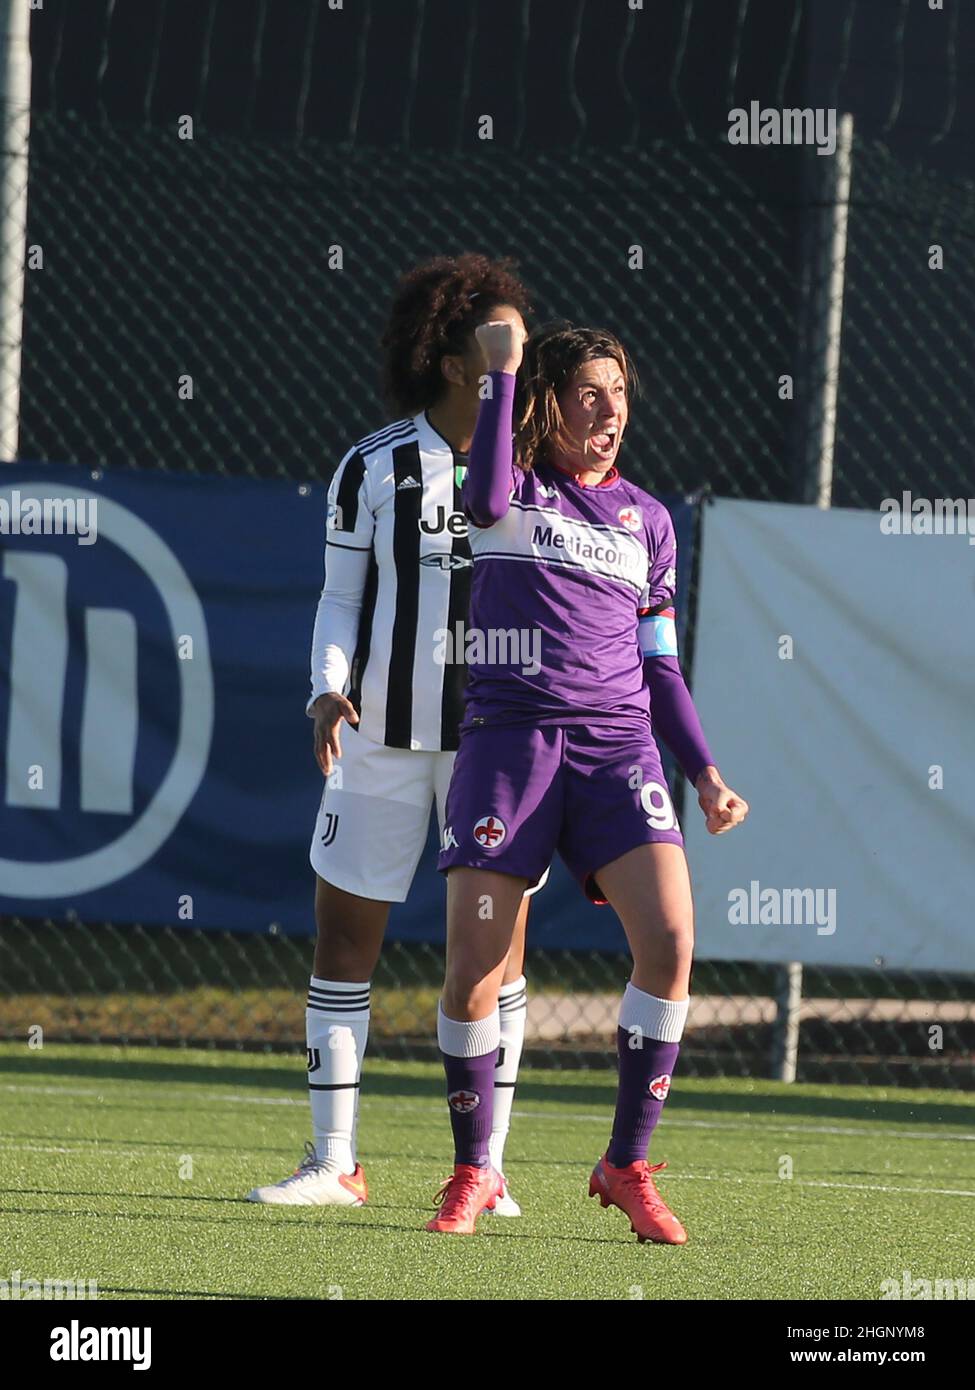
{"type": "Point", "coordinates": [315, 1182]}
{"type": "Point", "coordinates": [506, 1204]}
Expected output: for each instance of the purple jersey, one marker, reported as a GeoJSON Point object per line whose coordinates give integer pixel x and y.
{"type": "Point", "coordinates": [600, 557]}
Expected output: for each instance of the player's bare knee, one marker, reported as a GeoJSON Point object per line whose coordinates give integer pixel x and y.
{"type": "Point", "coordinates": [667, 949]}
{"type": "Point", "coordinates": [342, 952]}
{"type": "Point", "coordinates": [467, 997]}
{"type": "Point", "coordinates": [676, 952]}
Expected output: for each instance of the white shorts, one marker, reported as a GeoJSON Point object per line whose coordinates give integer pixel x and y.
{"type": "Point", "coordinates": [374, 816]}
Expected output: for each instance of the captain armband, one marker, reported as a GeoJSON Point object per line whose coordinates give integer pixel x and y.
{"type": "Point", "coordinates": [658, 633]}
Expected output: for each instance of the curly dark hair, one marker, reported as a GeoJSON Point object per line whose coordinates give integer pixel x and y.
{"type": "Point", "coordinates": [552, 354]}
{"type": "Point", "coordinates": [436, 308]}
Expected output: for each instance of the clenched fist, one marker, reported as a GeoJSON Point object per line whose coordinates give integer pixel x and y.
{"type": "Point", "coordinates": [502, 344]}
{"type": "Point", "coordinates": [723, 809]}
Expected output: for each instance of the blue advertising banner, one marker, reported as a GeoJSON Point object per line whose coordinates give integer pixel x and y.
{"type": "Point", "coordinates": [155, 758]}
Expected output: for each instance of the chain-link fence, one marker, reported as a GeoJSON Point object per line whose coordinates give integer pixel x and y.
{"type": "Point", "coordinates": [260, 267]}
{"type": "Point", "coordinates": [99, 982]}
{"type": "Point", "coordinates": [211, 258]}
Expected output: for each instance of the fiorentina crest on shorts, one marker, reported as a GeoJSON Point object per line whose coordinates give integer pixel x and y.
{"type": "Point", "coordinates": [660, 1086]}
{"type": "Point", "coordinates": [489, 831]}
{"type": "Point", "coordinates": [463, 1101]}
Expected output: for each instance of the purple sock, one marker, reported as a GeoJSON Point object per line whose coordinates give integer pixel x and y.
{"type": "Point", "coordinates": [644, 1082]}
{"type": "Point", "coordinates": [470, 1095]}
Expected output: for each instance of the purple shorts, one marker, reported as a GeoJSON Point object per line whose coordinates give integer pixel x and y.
{"type": "Point", "coordinates": [518, 793]}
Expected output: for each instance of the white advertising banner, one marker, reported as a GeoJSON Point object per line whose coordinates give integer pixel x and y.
{"type": "Point", "coordinates": [834, 673]}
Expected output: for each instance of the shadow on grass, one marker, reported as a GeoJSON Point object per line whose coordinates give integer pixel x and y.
{"type": "Point", "coordinates": [171, 1067]}
{"type": "Point", "coordinates": [88, 1145]}
{"type": "Point", "coordinates": [303, 1218]}
{"type": "Point", "coordinates": [115, 1192]}
{"type": "Point", "coordinates": [769, 1099]}
{"type": "Point", "coordinates": [217, 1295]}
{"type": "Point", "coordinates": [780, 1102]}
{"type": "Point", "coordinates": [338, 1217]}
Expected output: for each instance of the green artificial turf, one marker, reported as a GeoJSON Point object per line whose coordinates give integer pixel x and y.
{"type": "Point", "coordinates": [128, 1166]}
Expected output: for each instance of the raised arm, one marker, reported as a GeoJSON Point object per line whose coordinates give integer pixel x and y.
{"type": "Point", "coordinates": [487, 488]}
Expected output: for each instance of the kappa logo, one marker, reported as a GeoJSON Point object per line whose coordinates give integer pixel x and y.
{"type": "Point", "coordinates": [463, 1102]}
{"type": "Point", "coordinates": [449, 838]}
{"type": "Point", "coordinates": [409, 481]}
{"type": "Point", "coordinates": [631, 518]}
{"type": "Point", "coordinates": [490, 831]}
{"type": "Point", "coordinates": [545, 491]}
{"type": "Point", "coordinates": [670, 579]}
{"type": "Point", "coordinates": [446, 562]}
{"type": "Point", "coordinates": [659, 1087]}
{"type": "Point", "coordinates": [331, 824]}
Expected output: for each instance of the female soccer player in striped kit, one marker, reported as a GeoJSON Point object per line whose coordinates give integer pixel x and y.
{"type": "Point", "coordinates": [561, 755]}
{"type": "Point", "coordinates": [398, 570]}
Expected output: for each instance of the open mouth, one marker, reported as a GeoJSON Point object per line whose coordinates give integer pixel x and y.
{"type": "Point", "coordinates": [604, 443]}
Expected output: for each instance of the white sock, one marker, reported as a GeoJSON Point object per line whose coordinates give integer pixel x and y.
{"type": "Point", "coordinates": [458, 1039]}
{"type": "Point", "coordinates": [513, 1008]}
{"type": "Point", "coordinates": [336, 1029]}
{"type": "Point", "coordinates": [644, 1014]}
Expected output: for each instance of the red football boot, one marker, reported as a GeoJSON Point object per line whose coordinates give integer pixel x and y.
{"type": "Point", "coordinates": [632, 1189]}
{"type": "Point", "coordinates": [466, 1193]}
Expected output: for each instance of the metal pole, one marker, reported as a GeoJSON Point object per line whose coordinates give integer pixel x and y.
{"type": "Point", "coordinates": [788, 1002]}
{"type": "Point", "coordinates": [15, 70]}
{"type": "Point", "coordinates": [827, 318]}
{"type": "Point", "coordinates": [826, 250]}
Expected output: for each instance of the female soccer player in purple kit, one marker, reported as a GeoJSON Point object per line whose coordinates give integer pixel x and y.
{"type": "Point", "coordinates": [559, 753]}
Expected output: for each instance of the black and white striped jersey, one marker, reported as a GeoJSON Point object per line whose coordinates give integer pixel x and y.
{"type": "Point", "coordinates": [397, 578]}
